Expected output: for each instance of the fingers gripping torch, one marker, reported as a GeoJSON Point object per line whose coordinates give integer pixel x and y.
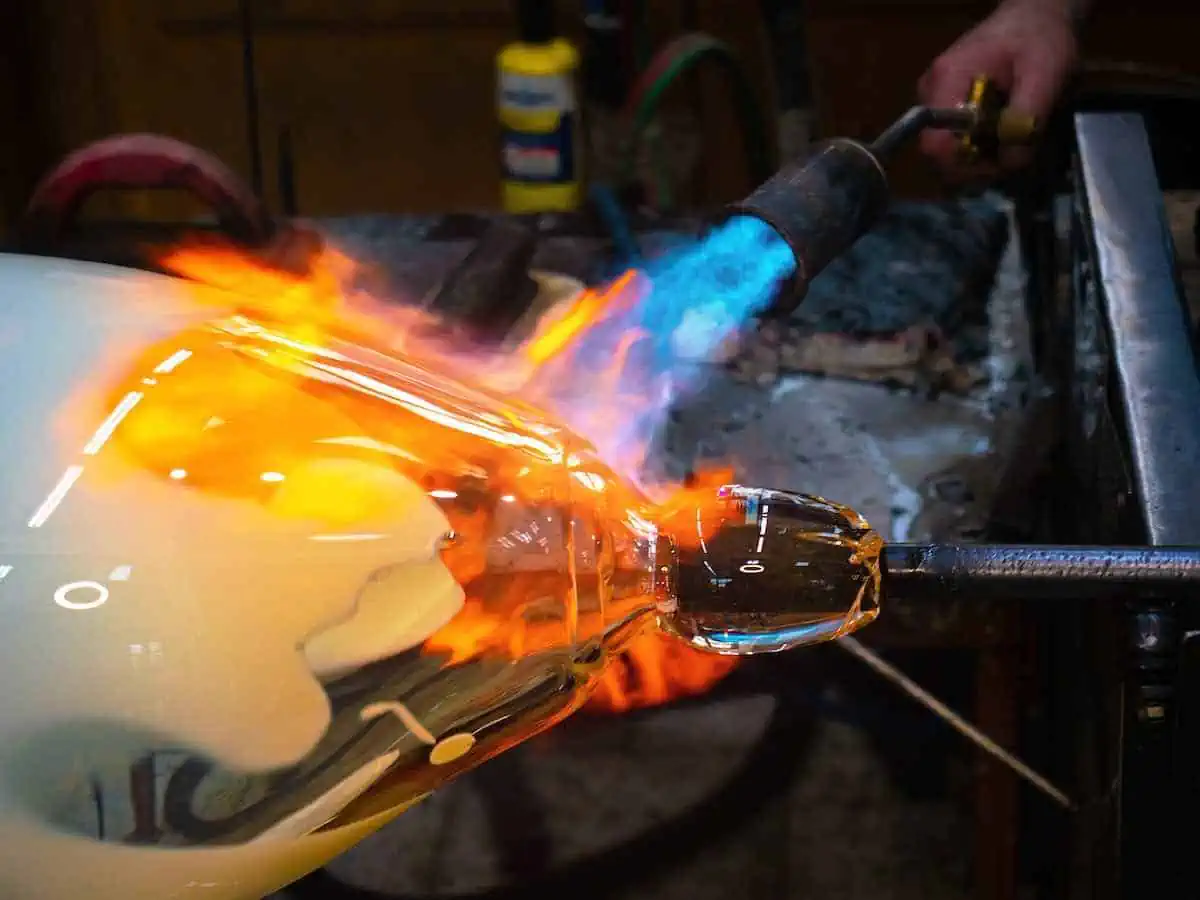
{"type": "Point", "coordinates": [824, 203]}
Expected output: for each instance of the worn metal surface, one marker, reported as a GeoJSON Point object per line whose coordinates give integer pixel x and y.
{"type": "Point", "coordinates": [928, 571]}
{"type": "Point", "coordinates": [1152, 352]}
{"type": "Point", "coordinates": [820, 206]}
{"type": "Point", "coordinates": [1138, 381]}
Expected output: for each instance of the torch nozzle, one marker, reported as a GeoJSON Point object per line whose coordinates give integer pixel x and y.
{"type": "Point", "coordinates": [821, 205]}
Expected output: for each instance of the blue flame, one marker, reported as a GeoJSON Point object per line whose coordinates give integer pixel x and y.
{"type": "Point", "coordinates": [704, 293]}
{"type": "Point", "coordinates": [699, 296]}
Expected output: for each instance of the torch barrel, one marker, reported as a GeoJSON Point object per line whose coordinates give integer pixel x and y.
{"type": "Point", "coordinates": [827, 201]}
{"type": "Point", "coordinates": [821, 205]}
{"type": "Point", "coordinates": [991, 571]}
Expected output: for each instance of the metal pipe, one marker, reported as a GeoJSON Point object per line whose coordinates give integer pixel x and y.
{"type": "Point", "coordinates": [886, 670]}
{"type": "Point", "coordinates": [821, 205]}
{"type": "Point", "coordinates": [916, 120]}
{"type": "Point", "coordinates": [1044, 572]}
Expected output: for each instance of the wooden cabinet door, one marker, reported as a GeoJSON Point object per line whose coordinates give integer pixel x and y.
{"type": "Point", "coordinates": [111, 66]}
{"type": "Point", "coordinates": [389, 104]}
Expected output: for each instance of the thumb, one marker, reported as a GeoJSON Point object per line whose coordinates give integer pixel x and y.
{"type": "Point", "coordinates": [946, 82]}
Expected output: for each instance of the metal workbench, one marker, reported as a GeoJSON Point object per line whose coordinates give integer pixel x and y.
{"type": "Point", "coordinates": [1119, 343]}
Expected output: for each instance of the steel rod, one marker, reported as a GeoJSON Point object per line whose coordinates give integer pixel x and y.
{"type": "Point", "coordinates": [981, 740]}
{"type": "Point", "coordinates": [975, 571]}
{"type": "Point", "coordinates": [913, 122]}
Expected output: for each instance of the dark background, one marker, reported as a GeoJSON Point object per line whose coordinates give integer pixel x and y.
{"type": "Point", "coordinates": [389, 103]}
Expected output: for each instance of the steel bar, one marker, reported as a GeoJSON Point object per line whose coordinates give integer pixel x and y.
{"type": "Point", "coordinates": [821, 205]}
{"type": "Point", "coordinates": [1147, 319]}
{"type": "Point", "coordinates": [1128, 265]}
{"type": "Point", "coordinates": [978, 571]}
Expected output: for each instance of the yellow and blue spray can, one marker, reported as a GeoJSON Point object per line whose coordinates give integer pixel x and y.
{"type": "Point", "coordinates": [539, 116]}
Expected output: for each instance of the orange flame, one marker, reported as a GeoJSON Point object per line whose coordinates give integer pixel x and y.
{"type": "Point", "coordinates": [655, 668]}
{"type": "Point", "coordinates": [556, 333]}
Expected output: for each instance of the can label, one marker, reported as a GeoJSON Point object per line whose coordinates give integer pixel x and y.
{"type": "Point", "coordinates": [523, 95]}
{"type": "Point", "coordinates": [541, 158]}
{"type": "Point", "coordinates": [538, 115]}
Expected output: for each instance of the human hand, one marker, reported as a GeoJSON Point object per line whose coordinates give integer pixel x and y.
{"type": "Point", "coordinates": [1028, 48]}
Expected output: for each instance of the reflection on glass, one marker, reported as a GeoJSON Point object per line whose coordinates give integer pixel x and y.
{"type": "Point", "coordinates": [460, 570]}
{"type": "Point", "coordinates": [771, 570]}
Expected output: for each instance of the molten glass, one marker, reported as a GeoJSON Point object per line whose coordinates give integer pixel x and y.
{"type": "Point", "coordinates": [771, 570]}
{"type": "Point", "coordinates": [337, 578]}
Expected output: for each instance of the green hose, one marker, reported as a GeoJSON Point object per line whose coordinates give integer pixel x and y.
{"type": "Point", "coordinates": [673, 61]}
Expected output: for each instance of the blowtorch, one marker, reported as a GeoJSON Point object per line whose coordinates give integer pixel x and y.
{"type": "Point", "coordinates": [819, 207]}
{"type": "Point", "coordinates": [826, 201]}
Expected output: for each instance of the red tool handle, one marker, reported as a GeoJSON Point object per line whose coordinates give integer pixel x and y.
{"type": "Point", "coordinates": [145, 161]}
